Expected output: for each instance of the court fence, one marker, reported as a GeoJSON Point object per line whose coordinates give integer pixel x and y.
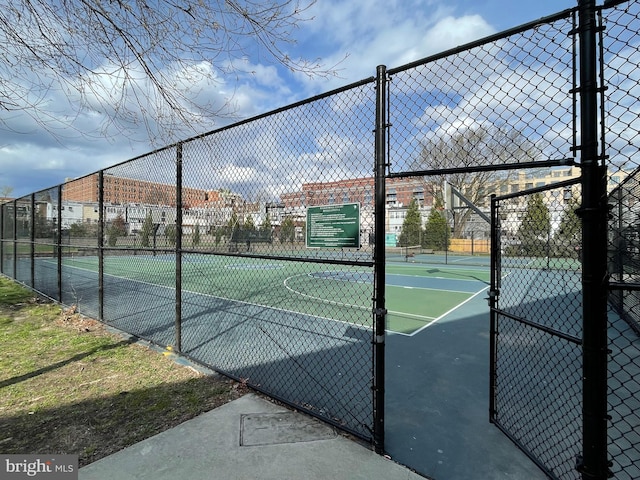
{"type": "Point", "coordinates": [191, 246]}
{"type": "Point", "coordinates": [624, 249]}
{"type": "Point", "coordinates": [205, 245]}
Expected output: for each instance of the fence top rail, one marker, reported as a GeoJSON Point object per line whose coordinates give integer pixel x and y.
{"type": "Point", "coordinates": [485, 40]}
{"type": "Point", "coordinates": [544, 188]}
{"type": "Point", "coordinates": [484, 168]}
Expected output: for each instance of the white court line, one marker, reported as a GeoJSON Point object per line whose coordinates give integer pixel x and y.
{"type": "Point", "coordinates": [443, 315]}
{"type": "Point", "coordinates": [320, 299]}
{"type": "Point", "coordinates": [232, 300]}
{"type": "Point", "coordinates": [300, 313]}
{"type": "Point", "coordinates": [429, 276]}
{"type": "Point", "coordinates": [429, 288]}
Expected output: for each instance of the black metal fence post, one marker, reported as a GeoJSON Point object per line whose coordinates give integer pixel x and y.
{"type": "Point", "coordinates": [380, 311]}
{"type": "Point", "coordinates": [594, 463]}
{"type": "Point", "coordinates": [493, 299]}
{"type": "Point", "coordinates": [32, 239]}
{"type": "Point", "coordinates": [178, 340]}
{"type": "Point", "coordinates": [59, 242]}
{"type": "Point", "coordinates": [15, 240]}
{"type": "Point", "coordinates": [2, 239]}
{"type": "Point", "coordinates": [101, 219]}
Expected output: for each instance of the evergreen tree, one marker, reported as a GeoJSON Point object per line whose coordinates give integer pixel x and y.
{"type": "Point", "coordinates": [436, 235]}
{"type": "Point", "coordinates": [232, 225]}
{"type": "Point", "coordinates": [147, 231]}
{"type": "Point", "coordinates": [535, 227]}
{"type": "Point", "coordinates": [287, 230]}
{"type": "Point", "coordinates": [265, 229]}
{"type": "Point", "coordinates": [171, 233]}
{"type": "Point", "coordinates": [115, 230]}
{"type": "Point", "coordinates": [248, 231]}
{"type": "Point", "coordinates": [411, 233]}
{"type": "Point", "coordinates": [569, 235]}
{"type": "Point", "coordinates": [196, 236]}
{"type": "Point", "coordinates": [249, 225]}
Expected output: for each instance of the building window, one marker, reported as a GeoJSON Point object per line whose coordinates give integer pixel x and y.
{"type": "Point", "coordinates": [392, 195]}
{"type": "Point", "coordinates": [418, 194]}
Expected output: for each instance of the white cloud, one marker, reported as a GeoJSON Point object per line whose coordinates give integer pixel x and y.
{"type": "Point", "coordinates": [448, 33]}
{"type": "Point", "coordinates": [371, 32]}
{"type": "Point", "coordinates": [387, 33]}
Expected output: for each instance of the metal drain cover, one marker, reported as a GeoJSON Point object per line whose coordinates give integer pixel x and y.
{"type": "Point", "coordinates": [285, 427]}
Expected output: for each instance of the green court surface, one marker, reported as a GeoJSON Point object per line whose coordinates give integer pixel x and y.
{"type": "Point", "coordinates": [419, 295]}
{"type": "Point", "coordinates": [416, 295]}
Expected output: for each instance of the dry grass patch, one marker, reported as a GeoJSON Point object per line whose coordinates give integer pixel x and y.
{"type": "Point", "coordinates": [67, 385]}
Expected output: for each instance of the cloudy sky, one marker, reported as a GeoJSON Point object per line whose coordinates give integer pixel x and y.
{"type": "Point", "coordinates": [355, 36]}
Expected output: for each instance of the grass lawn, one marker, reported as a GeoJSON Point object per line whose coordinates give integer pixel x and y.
{"type": "Point", "coordinates": [68, 386]}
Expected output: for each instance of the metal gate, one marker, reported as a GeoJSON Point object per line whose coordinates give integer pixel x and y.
{"type": "Point", "coordinates": [536, 324]}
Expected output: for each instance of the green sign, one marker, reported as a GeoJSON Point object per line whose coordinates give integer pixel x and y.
{"type": "Point", "coordinates": [333, 226]}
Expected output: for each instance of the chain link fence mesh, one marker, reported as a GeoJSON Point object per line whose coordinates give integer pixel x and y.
{"type": "Point", "coordinates": [621, 76]}
{"type": "Point", "coordinates": [223, 219]}
{"type": "Point", "coordinates": [204, 246]}
{"type": "Point", "coordinates": [23, 240]}
{"type": "Point", "coordinates": [140, 204]}
{"type": "Point", "coordinates": [257, 301]}
{"type": "Point", "coordinates": [79, 247]}
{"type": "Point", "coordinates": [45, 220]}
{"type": "Point", "coordinates": [537, 358]}
{"type": "Point", "coordinates": [502, 101]}
{"type": "Point", "coordinates": [459, 121]}
{"type": "Point", "coordinates": [6, 242]}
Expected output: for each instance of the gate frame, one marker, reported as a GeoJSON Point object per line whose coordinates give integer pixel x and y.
{"type": "Point", "coordinates": [494, 310]}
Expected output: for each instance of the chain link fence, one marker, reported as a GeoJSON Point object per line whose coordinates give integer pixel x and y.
{"type": "Point", "coordinates": [536, 364]}
{"type": "Point", "coordinates": [204, 246]}
{"type": "Point", "coordinates": [621, 75]}
{"type": "Point", "coordinates": [257, 249]}
{"type": "Point", "coordinates": [460, 117]}
{"type": "Point", "coordinates": [499, 118]}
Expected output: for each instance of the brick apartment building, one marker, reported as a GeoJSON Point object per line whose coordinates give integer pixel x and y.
{"type": "Point", "coordinates": [399, 193]}
{"type": "Point", "coordinates": [121, 190]}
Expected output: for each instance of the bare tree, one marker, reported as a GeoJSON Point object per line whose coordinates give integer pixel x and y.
{"type": "Point", "coordinates": [137, 62]}
{"type": "Point", "coordinates": [473, 147]}
{"type": "Point", "coordinates": [5, 191]}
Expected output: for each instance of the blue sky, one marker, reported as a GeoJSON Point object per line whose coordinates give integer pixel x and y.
{"type": "Point", "coordinates": [355, 35]}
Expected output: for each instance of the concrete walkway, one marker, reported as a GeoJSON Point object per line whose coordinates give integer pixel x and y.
{"type": "Point", "coordinates": [249, 438]}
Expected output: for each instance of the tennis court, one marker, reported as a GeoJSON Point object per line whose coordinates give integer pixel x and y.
{"type": "Point", "coordinates": [417, 295]}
